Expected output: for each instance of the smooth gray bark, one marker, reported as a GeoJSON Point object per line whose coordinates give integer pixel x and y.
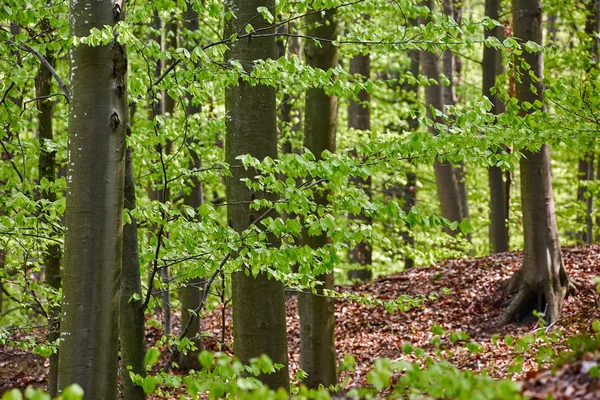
{"type": "Point", "coordinates": [259, 320]}
{"type": "Point", "coordinates": [131, 317]}
{"type": "Point", "coordinates": [47, 169]}
{"type": "Point", "coordinates": [94, 212]}
{"type": "Point", "coordinates": [190, 294]}
{"type": "Point", "coordinates": [492, 67]}
{"type": "Point", "coordinates": [542, 282]}
{"type": "Point", "coordinates": [317, 320]}
{"type": "Point", "coordinates": [448, 192]}
{"type": "Point", "coordinates": [359, 117]}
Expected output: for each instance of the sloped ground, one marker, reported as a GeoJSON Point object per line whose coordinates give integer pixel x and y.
{"type": "Point", "coordinates": [473, 307]}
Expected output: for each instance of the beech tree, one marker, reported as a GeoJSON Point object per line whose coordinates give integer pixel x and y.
{"type": "Point", "coordinates": [491, 68]}
{"type": "Point", "coordinates": [542, 282]}
{"type": "Point", "coordinates": [359, 117]}
{"type": "Point", "coordinates": [94, 215]}
{"type": "Point", "coordinates": [317, 320]}
{"type": "Point", "coordinates": [258, 299]}
{"type": "Point", "coordinates": [448, 191]}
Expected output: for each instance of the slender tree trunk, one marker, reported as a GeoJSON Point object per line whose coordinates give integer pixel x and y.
{"type": "Point", "coordinates": [585, 174]}
{"type": "Point", "coordinates": [492, 67]}
{"type": "Point", "coordinates": [259, 322]}
{"type": "Point", "coordinates": [586, 163]}
{"type": "Point", "coordinates": [317, 321]}
{"type": "Point", "coordinates": [448, 191]}
{"type": "Point", "coordinates": [94, 213]}
{"type": "Point", "coordinates": [451, 68]}
{"type": "Point", "coordinates": [47, 169]}
{"type": "Point", "coordinates": [167, 107]}
{"type": "Point", "coordinates": [409, 191]}
{"type": "Point", "coordinates": [359, 117]}
{"type": "Point", "coordinates": [190, 293]}
{"type": "Point", "coordinates": [542, 282]}
{"type": "Point", "coordinates": [131, 317]}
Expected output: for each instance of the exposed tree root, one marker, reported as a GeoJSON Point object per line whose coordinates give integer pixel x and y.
{"type": "Point", "coordinates": [546, 298]}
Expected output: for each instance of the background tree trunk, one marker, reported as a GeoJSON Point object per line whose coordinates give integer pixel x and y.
{"type": "Point", "coordinates": [359, 117]}
{"type": "Point", "coordinates": [586, 163]}
{"type": "Point", "coordinates": [451, 68]}
{"type": "Point", "coordinates": [47, 169]}
{"type": "Point", "coordinates": [190, 293]}
{"type": "Point", "coordinates": [131, 317]}
{"type": "Point", "coordinates": [542, 282]}
{"type": "Point", "coordinates": [259, 322]}
{"type": "Point", "coordinates": [492, 67]}
{"type": "Point", "coordinates": [444, 171]}
{"type": "Point", "coordinates": [94, 213]}
{"type": "Point", "coordinates": [317, 321]}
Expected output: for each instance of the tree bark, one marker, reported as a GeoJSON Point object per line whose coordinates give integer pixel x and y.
{"type": "Point", "coordinates": [542, 282]}
{"type": "Point", "coordinates": [492, 67]}
{"type": "Point", "coordinates": [359, 117]}
{"type": "Point", "coordinates": [317, 321]}
{"type": "Point", "coordinates": [190, 293]}
{"type": "Point", "coordinates": [131, 317]}
{"type": "Point", "coordinates": [585, 174]}
{"type": "Point", "coordinates": [586, 163]}
{"type": "Point", "coordinates": [94, 213]}
{"type": "Point", "coordinates": [448, 191]}
{"type": "Point", "coordinates": [259, 319]}
{"type": "Point", "coordinates": [451, 67]}
{"type": "Point", "coordinates": [47, 169]}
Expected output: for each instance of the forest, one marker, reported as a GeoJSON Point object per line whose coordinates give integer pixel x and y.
{"type": "Point", "coordinates": [307, 199]}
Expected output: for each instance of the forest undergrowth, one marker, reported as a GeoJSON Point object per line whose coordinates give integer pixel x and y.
{"type": "Point", "coordinates": [458, 326]}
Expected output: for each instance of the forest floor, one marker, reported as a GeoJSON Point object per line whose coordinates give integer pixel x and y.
{"type": "Point", "coordinates": [473, 305]}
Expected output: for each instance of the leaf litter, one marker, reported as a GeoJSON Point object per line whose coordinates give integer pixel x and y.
{"type": "Point", "coordinates": [458, 326]}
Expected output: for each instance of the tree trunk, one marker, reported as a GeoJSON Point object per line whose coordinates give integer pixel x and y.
{"type": "Point", "coordinates": [542, 282]}
{"type": "Point", "coordinates": [586, 164]}
{"type": "Point", "coordinates": [492, 67]}
{"type": "Point", "coordinates": [451, 67]}
{"type": "Point", "coordinates": [47, 169]}
{"type": "Point", "coordinates": [259, 321]}
{"type": "Point", "coordinates": [359, 117]}
{"type": "Point", "coordinates": [190, 293]}
{"type": "Point", "coordinates": [131, 317]}
{"type": "Point", "coordinates": [317, 321]}
{"type": "Point", "coordinates": [94, 213]}
{"type": "Point", "coordinates": [448, 191]}
{"type": "Point", "coordinates": [585, 174]}
{"type": "Point", "coordinates": [409, 191]}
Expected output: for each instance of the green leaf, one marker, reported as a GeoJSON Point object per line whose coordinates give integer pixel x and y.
{"type": "Point", "coordinates": [465, 226]}
{"type": "Point", "coordinates": [151, 358]}
{"type": "Point", "coordinates": [264, 11]}
{"type": "Point", "coordinates": [14, 394]}
{"type": "Point", "coordinates": [73, 392]}
{"type": "Point", "coordinates": [206, 359]}
{"type": "Point", "coordinates": [149, 385]}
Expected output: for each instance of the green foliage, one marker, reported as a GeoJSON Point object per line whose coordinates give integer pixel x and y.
{"type": "Point", "coordinates": [73, 392]}
{"type": "Point", "coordinates": [194, 242]}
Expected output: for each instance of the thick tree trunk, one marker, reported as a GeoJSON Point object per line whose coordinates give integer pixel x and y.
{"type": "Point", "coordinates": [131, 317]}
{"type": "Point", "coordinates": [259, 322]}
{"type": "Point", "coordinates": [542, 282]}
{"type": "Point", "coordinates": [492, 67]}
{"type": "Point", "coordinates": [359, 117]}
{"type": "Point", "coordinates": [47, 169]}
{"type": "Point", "coordinates": [317, 321]}
{"type": "Point", "coordinates": [94, 213]}
{"type": "Point", "coordinates": [190, 293]}
{"type": "Point", "coordinates": [448, 192]}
